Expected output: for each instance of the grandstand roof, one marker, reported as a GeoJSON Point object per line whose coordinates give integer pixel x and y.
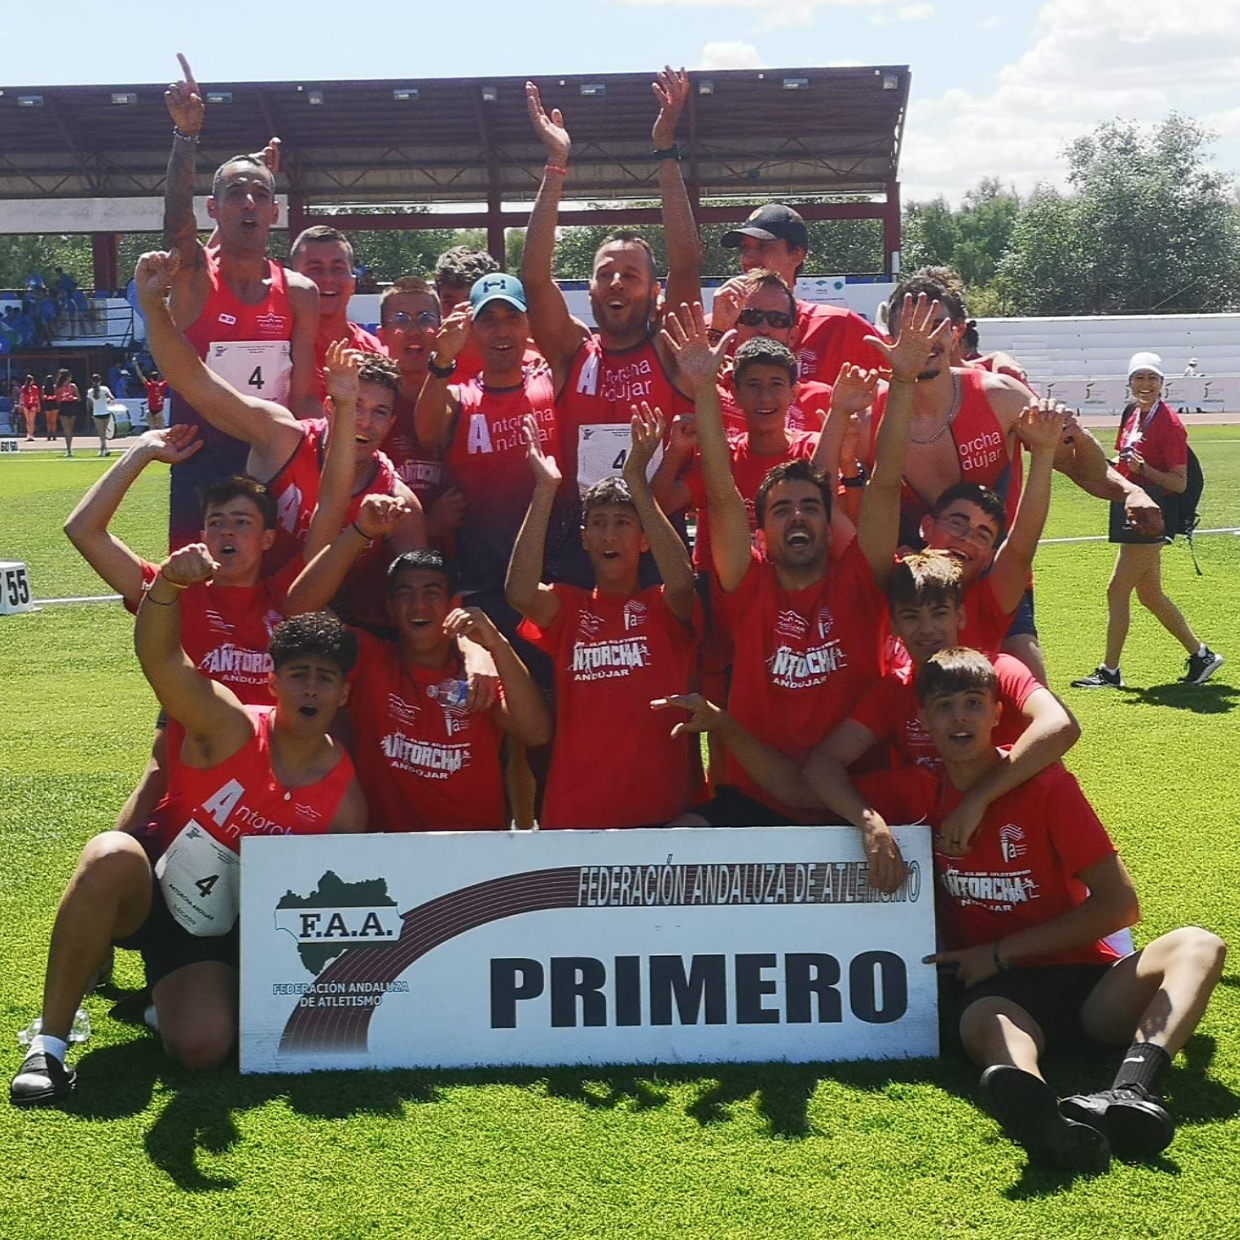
{"type": "Point", "coordinates": [775, 132]}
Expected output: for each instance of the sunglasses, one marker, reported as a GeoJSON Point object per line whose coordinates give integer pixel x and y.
{"type": "Point", "coordinates": [402, 319]}
{"type": "Point", "coordinates": [755, 318]}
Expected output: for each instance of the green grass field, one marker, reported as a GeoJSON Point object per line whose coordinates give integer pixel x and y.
{"type": "Point", "coordinates": [145, 1149]}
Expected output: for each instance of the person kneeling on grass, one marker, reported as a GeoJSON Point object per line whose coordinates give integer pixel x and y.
{"type": "Point", "coordinates": [171, 891]}
{"type": "Point", "coordinates": [1025, 902]}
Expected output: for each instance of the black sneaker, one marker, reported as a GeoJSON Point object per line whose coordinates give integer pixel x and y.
{"type": "Point", "coordinates": [1135, 1122]}
{"type": "Point", "coordinates": [1100, 679]}
{"type": "Point", "coordinates": [1200, 667]}
{"type": "Point", "coordinates": [1028, 1112]}
{"type": "Point", "coordinates": [40, 1080]}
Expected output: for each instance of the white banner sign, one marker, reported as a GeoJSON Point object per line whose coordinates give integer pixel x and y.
{"type": "Point", "coordinates": [1109, 396]}
{"type": "Point", "coordinates": [581, 947]}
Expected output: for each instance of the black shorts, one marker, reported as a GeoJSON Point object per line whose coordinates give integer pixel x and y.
{"type": "Point", "coordinates": [1119, 531]}
{"type": "Point", "coordinates": [1023, 621]}
{"type": "Point", "coordinates": [165, 945]}
{"type": "Point", "coordinates": [1052, 994]}
{"type": "Point", "coordinates": [730, 807]}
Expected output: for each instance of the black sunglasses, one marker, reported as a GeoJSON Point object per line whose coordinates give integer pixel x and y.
{"type": "Point", "coordinates": [755, 318]}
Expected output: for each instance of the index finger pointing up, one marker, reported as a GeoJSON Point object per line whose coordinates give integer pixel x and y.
{"type": "Point", "coordinates": [186, 71]}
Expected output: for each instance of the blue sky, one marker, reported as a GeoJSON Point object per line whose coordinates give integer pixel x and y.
{"type": "Point", "coordinates": [997, 89]}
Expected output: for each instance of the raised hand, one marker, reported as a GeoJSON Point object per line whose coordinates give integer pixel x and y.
{"type": "Point", "coordinates": [344, 365]}
{"type": "Point", "coordinates": [152, 278]}
{"type": "Point", "coordinates": [704, 716]}
{"type": "Point", "coordinates": [453, 334]}
{"type": "Point", "coordinates": [729, 300]}
{"type": "Point", "coordinates": [1041, 425]}
{"type": "Point", "coordinates": [474, 623]}
{"type": "Point", "coordinates": [171, 444]}
{"type": "Point", "coordinates": [647, 430]}
{"type": "Point", "coordinates": [550, 129]}
{"type": "Point", "coordinates": [671, 89]}
{"type": "Point", "coordinates": [854, 389]}
{"type": "Point", "coordinates": [917, 340]}
{"type": "Point", "coordinates": [686, 335]}
{"type": "Point", "coordinates": [269, 156]}
{"type": "Point", "coordinates": [546, 471]}
{"type": "Point", "coordinates": [683, 439]}
{"type": "Point", "coordinates": [379, 515]}
{"type": "Point", "coordinates": [190, 565]}
{"type": "Point", "coordinates": [184, 100]}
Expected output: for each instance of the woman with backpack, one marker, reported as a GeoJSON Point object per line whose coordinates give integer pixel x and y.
{"type": "Point", "coordinates": [1153, 452]}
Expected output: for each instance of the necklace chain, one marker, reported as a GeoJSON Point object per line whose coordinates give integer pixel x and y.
{"type": "Point", "coordinates": [951, 415]}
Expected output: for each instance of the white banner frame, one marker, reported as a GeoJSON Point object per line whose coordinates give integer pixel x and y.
{"type": "Point", "coordinates": [498, 949]}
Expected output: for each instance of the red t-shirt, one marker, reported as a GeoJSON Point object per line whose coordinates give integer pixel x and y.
{"type": "Point", "coordinates": [808, 411]}
{"type": "Point", "coordinates": [485, 458]}
{"type": "Point", "coordinates": [242, 796]}
{"type": "Point", "coordinates": [1159, 436]}
{"type": "Point", "coordinates": [825, 337]}
{"type": "Point", "coordinates": [615, 763]}
{"type": "Point", "coordinates": [803, 657]}
{"type": "Point", "coordinates": [423, 765]}
{"type": "Point", "coordinates": [156, 391]}
{"type": "Point", "coordinates": [748, 469]}
{"type": "Point", "coordinates": [32, 397]}
{"type": "Point", "coordinates": [889, 709]}
{"type": "Point", "coordinates": [1021, 871]}
{"type": "Point", "coordinates": [985, 626]}
{"type": "Point", "coordinates": [358, 338]}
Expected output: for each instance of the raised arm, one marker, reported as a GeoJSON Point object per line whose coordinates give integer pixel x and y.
{"type": "Point", "coordinates": [523, 711]}
{"type": "Point", "coordinates": [524, 588]}
{"type": "Point", "coordinates": [268, 428]}
{"type": "Point", "coordinates": [87, 526]}
{"type": "Point", "coordinates": [336, 478]}
{"type": "Point", "coordinates": [878, 524]}
{"type": "Point", "coordinates": [188, 112]}
{"type": "Point", "coordinates": [215, 722]}
{"type": "Point", "coordinates": [555, 331]}
{"type": "Point", "coordinates": [684, 250]}
{"type": "Point", "coordinates": [685, 334]}
{"type": "Point", "coordinates": [647, 429]}
{"type": "Point", "coordinates": [671, 492]}
{"type": "Point", "coordinates": [1039, 427]}
{"type": "Point", "coordinates": [438, 405]}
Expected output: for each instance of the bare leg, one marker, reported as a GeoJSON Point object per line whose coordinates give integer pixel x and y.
{"type": "Point", "coordinates": [521, 786]}
{"type": "Point", "coordinates": [1119, 591]}
{"type": "Point", "coordinates": [1150, 595]}
{"type": "Point", "coordinates": [150, 790]}
{"type": "Point", "coordinates": [53, 421]}
{"type": "Point", "coordinates": [996, 1031]}
{"type": "Point", "coordinates": [30, 415]}
{"type": "Point", "coordinates": [1158, 994]}
{"type": "Point", "coordinates": [108, 898]}
{"type": "Point", "coordinates": [68, 424]}
{"type": "Point", "coordinates": [197, 1007]}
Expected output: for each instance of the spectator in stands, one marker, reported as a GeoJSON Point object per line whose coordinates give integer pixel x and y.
{"type": "Point", "coordinates": [99, 397]}
{"type": "Point", "coordinates": [46, 315]}
{"type": "Point", "coordinates": [1153, 453]}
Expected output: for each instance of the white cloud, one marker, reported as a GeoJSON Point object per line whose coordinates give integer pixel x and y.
{"type": "Point", "coordinates": [914, 12]}
{"type": "Point", "coordinates": [1090, 61]}
{"type": "Point", "coordinates": [730, 55]}
{"type": "Point", "coordinates": [768, 14]}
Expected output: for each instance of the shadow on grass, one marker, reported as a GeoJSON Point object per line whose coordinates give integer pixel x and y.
{"type": "Point", "coordinates": [125, 1080]}
{"type": "Point", "coordinates": [1212, 698]}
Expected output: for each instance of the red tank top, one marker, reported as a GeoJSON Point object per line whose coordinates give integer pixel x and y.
{"type": "Point", "coordinates": [242, 796]}
{"type": "Point", "coordinates": [486, 460]}
{"type": "Point", "coordinates": [594, 407]}
{"type": "Point", "coordinates": [295, 488]}
{"type": "Point", "coordinates": [981, 451]}
{"type": "Point", "coordinates": [417, 467]}
{"type": "Point", "coordinates": [225, 317]}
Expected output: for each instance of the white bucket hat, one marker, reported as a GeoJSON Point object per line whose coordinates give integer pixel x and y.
{"type": "Point", "coordinates": [1145, 361]}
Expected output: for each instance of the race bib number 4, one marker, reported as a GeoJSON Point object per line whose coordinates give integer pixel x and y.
{"type": "Point", "coordinates": [602, 451]}
{"type": "Point", "coordinates": [261, 368]}
{"type": "Point", "coordinates": [201, 882]}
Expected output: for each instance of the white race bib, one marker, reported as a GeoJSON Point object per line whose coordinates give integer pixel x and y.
{"type": "Point", "coordinates": [602, 451]}
{"type": "Point", "coordinates": [262, 368]}
{"type": "Point", "coordinates": [201, 882]}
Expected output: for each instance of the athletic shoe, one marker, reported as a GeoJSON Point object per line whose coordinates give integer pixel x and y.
{"type": "Point", "coordinates": [1134, 1120]}
{"type": "Point", "coordinates": [40, 1080]}
{"type": "Point", "coordinates": [1028, 1112]}
{"type": "Point", "coordinates": [1100, 679]}
{"type": "Point", "coordinates": [1200, 667]}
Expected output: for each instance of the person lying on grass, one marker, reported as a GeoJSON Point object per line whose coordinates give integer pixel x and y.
{"type": "Point", "coordinates": [171, 891]}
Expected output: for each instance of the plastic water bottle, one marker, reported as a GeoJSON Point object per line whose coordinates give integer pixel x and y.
{"type": "Point", "coordinates": [449, 693]}
{"type": "Point", "coordinates": [79, 1033]}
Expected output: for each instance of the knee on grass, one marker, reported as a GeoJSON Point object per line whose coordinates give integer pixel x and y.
{"type": "Point", "coordinates": [200, 1047]}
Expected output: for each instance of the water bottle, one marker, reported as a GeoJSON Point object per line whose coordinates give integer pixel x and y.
{"type": "Point", "coordinates": [449, 693]}
{"type": "Point", "coordinates": [79, 1033]}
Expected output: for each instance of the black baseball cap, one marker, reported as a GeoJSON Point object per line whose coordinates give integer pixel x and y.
{"type": "Point", "coordinates": [773, 222]}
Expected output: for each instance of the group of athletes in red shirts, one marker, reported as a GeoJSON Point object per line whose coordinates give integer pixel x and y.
{"type": "Point", "coordinates": [455, 556]}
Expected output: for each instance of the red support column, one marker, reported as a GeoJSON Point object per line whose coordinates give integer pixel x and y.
{"type": "Point", "coordinates": [495, 228]}
{"type": "Point", "coordinates": [891, 228]}
{"type": "Point", "coordinates": [105, 253]}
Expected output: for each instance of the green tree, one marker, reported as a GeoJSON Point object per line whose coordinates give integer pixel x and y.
{"type": "Point", "coordinates": [1149, 226]}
